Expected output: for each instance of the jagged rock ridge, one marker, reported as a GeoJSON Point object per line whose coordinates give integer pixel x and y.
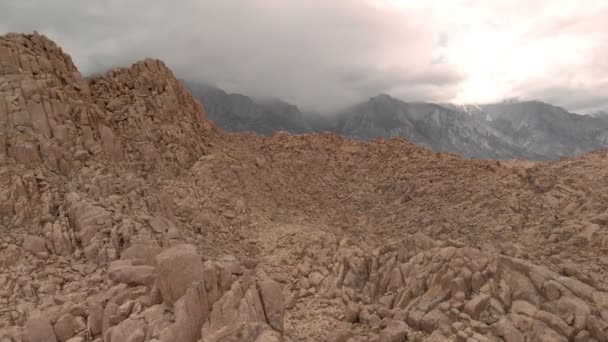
{"type": "Point", "coordinates": [132, 218]}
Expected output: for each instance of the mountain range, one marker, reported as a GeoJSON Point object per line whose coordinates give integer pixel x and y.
{"type": "Point", "coordinates": [508, 130]}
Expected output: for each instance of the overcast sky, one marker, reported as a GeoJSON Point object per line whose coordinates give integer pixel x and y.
{"type": "Point", "coordinates": [326, 54]}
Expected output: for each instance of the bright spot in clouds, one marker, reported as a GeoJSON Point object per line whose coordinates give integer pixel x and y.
{"type": "Point", "coordinates": [507, 48]}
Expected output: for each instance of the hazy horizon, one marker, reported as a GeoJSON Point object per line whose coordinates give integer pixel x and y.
{"type": "Point", "coordinates": [324, 56]}
{"type": "Point", "coordinates": [304, 110]}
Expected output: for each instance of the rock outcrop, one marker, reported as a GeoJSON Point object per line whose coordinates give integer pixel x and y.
{"type": "Point", "coordinates": [47, 113]}
{"type": "Point", "coordinates": [158, 121]}
{"type": "Point", "coordinates": [420, 288]}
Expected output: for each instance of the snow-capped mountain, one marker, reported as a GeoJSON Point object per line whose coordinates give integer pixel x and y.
{"type": "Point", "coordinates": [526, 130]}
{"type": "Point", "coordinates": [432, 125]}
{"type": "Point", "coordinates": [547, 130]}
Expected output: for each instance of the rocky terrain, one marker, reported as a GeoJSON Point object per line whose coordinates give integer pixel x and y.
{"type": "Point", "coordinates": [126, 215]}
{"type": "Point", "coordinates": [524, 130]}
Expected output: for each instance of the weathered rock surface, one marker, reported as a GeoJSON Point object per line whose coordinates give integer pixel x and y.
{"type": "Point", "coordinates": [38, 329]}
{"type": "Point", "coordinates": [178, 268]}
{"type": "Point", "coordinates": [247, 310]}
{"type": "Point", "coordinates": [435, 287]}
{"type": "Point", "coordinates": [126, 216]}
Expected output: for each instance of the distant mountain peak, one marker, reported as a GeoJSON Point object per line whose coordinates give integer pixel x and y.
{"type": "Point", "coordinates": [383, 98]}
{"type": "Point", "coordinates": [238, 113]}
{"type": "Point", "coordinates": [513, 128]}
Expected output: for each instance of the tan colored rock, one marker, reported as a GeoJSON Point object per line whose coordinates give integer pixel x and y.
{"type": "Point", "coordinates": [477, 305]}
{"type": "Point", "coordinates": [129, 330]}
{"type": "Point", "coordinates": [239, 312]}
{"type": "Point", "coordinates": [508, 331]}
{"type": "Point", "coordinates": [521, 287]}
{"type": "Point", "coordinates": [142, 253]}
{"type": "Point", "coordinates": [66, 327]}
{"type": "Point", "coordinates": [271, 295]}
{"type": "Point", "coordinates": [395, 331]}
{"type": "Point", "coordinates": [521, 307]}
{"type": "Point", "coordinates": [340, 335]}
{"type": "Point", "coordinates": [555, 323]}
{"type": "Point", "coordinates": [351, 312]}
{"type": "Point", "coordinates": [582, 336]}
{"type": "Point", "coordinates": [9, 256]}
{"type": "Point", "coordinates": [38, 329]}
{"type": "Point", "coordinates": [212, 274]}
{"type": "Point", "coordinates": [34, 244]}
{"type": "Point", "coordinates": [433, 320]}
{"type": "Point", "coordinates": [62, 244]}
{"type": "Point", "coordinates": [76, 339]}
{"type": "Point", "coordinates": [191, 311]}
{"type": "Point", "coordinates": [357, 273]}
{"type": "Point", "coordinates": [122, 271]}
{"type": "Point", "coordinates": [178, 267]}
{"type": "Point", "coordinates": [87, 219]}
{"type": "Point", "coordinates": [110, 317]}
{"type": "Point", "coordinates": [594, 326]}
{"type": "Point", "coordinates": [39, 118]}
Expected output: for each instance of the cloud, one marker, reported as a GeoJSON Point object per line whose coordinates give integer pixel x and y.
{"type": "Point", "coordinates": [579, 86]}
{"type": "Point", "coordinates": [325, 55]}
{"type": "Point", "coordinates": [580, 99]}
{"type": "Point", "coordinates": [531, 49]}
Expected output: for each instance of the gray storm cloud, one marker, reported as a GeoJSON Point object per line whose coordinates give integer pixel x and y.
{"type": "Point", "coordinates": [321, 55]}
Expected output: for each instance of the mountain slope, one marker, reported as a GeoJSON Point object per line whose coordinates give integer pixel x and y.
{"type": "Point", "coordinates": [239, 113]}
{"type": "Point", "coordinates": [427, 124]}
{"type": "Point", "coordinates": [600, 114]}
{"type": "Point", "coordinates": [547, 130]}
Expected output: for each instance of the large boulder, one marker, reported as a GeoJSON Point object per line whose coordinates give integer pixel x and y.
{"type": "Point", "coordinates": [178, 267]}
{"type": "Point", "coordinates": [395, 331]}
{"type": "Point", "coordinates": [122, 271]}
{"type": "Point", "coordinates": [190, 311]}
{"type": "Point", "coordinates": [241, 312]}
{"type": "Point", "coordinates": [271, 294]}
{"type": "Point", "coordinates": [95, 319]}
{"type": "Point", "coordinates": [141, 253]}
{"type": "Point", "coordinates": [38, 329]}
{"type": "Point", "coordinates": [34, 244]}
{"type": "Point", "coordinates": [129, 330]}
{"type": "Point", "coordinates": [67, 327]}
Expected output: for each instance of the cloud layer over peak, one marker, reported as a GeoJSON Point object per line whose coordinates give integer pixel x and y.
{"type": "Point", "coordinates": [324, 55]}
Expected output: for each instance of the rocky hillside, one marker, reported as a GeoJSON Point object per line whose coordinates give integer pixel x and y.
{"type": "Point", "coordinates": [127, 216]}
